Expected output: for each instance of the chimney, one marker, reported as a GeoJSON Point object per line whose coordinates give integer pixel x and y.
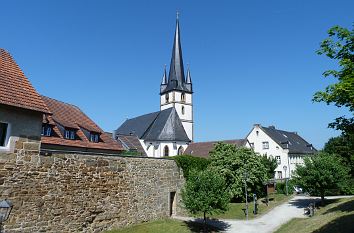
{"type": "Point", "coordinates": [271, 127]}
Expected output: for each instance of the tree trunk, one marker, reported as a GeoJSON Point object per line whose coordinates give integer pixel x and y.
{"type": "Point", "coordinates": [205, 223]}
{"type": "Point", "coordinates": [322, 198]}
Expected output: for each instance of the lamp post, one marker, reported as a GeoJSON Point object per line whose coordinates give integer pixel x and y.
{"type": "Point", "coordinates": [5, 210]}
{"type": "Point", "coordinates": [245, 176]}
{"type": "Point", "coordinates": [286, 180]}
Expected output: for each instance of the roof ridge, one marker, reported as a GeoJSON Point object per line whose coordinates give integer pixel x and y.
{"type": "Point", "coordinates": [61, 101]}
{"type": "Point", "coordinates": [221, 140]}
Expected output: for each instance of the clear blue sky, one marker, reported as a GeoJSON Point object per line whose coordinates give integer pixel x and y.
{"type": "Point", "coordinates": [251, 61]}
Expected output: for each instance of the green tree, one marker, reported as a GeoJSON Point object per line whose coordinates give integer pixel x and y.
{"type": "Point", "coordinates": [233, 162]}
{"type": "Point", "coordinates": [344, 147]}
{"type": "Point", "coordinates": [270, 164]}
{"type": "Point", "coordinates": [320, 173]}
{"type": "Point", "coordinates": [339, 46]}
{"type": "Point", "coordinates": [188, 163]}
{"type": "Point", "coordinates": [204, 193]}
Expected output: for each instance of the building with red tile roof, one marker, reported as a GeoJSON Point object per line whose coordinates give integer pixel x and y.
{"type": "Point", "coordinates": [16, 90]}
{"type": "Point", "coordinates": [202, 149]}
{"type": "Point", "coordinates": [21, 107]}
{"type": "Point", "coordinates": [68, 129]}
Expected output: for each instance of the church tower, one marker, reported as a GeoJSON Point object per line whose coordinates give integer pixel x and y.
{"type": "Point", "coordinates": [176, 90]}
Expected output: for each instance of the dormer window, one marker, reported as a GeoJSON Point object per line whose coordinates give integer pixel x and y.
{"type": "Point", "coordinates": [167, 98]}
{"type": "Point", "coordinates": [46, 130]}
{"type": "Point", "coordinates": [69, 134]}
{"type": "Point", "coordinates": [94, 137]}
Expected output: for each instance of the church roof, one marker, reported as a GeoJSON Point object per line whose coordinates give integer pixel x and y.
{"type": "Point", "coordinates": [176, 77]}
{"type": "Point", "coordinates": [164, 125]}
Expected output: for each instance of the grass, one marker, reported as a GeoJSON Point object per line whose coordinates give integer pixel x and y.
{"type": "Point", "coordinates": [172, 226]}
{"type": "Point", "coordinates": [336, 216]}
{"type": "Point", "coordinates": [235, 209]}
{"type": "Point", "coordinates": [165, 226]}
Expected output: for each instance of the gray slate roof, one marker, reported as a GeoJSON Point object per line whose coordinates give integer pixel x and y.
{"type": "Point", "coordinates": [289, 140]}
{"type": "Point", "coordinates": [131, 143]}
{"type": "Point", "coordinates": [164, 125]}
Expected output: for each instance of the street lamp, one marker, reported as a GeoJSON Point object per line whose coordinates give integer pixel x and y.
{"type": "Point", "coordinates": [5, 210]}
{"type": "Point", "coordinates": [286, 180]}
{"type": "Point", "coordinates": [245, 176]}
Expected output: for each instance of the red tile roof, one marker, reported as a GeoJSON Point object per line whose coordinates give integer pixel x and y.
{"type": "Point", "coordinates": [202, 149]}
{"type": "Point", "coordinates": [15, 88]}
{"type": "Point", "coordinates": [69, 116]}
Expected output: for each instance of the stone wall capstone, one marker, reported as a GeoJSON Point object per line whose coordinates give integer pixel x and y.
{"type": "Point", "coordinates": [86, 193]}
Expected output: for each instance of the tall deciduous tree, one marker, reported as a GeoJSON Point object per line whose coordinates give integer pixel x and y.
{"type": "Point", "coordinates": [204, 193]}
{"type": "Point", "coordinates": [320, 173]}
{"type": "Point", "coordinates": [344, 147]}
{"type": "Point", "coordinates": [339, 46]}
{"type": "Point", "coordinates": [233, 163]}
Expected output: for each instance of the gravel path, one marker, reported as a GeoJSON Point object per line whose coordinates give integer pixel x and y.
{"type": "Point", "coordinates": [268, 222]}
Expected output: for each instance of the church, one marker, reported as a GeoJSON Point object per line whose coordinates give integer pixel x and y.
{"type": "Point", "coordinates": [169, 131]}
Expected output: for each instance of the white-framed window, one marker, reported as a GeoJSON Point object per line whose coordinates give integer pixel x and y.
{"type": "Point", "coordinates": [278, 159]}
{"type": "Point", "coordinates": [265, 145]}
{"type": "Point", "coordinates": [167, 98]}
{"type": "Point", "coordinates": [182, 110]}
{"type": "Point", "coordinates": [69, 134]}
{"type": "Point", "coordinates": [94, 137]}
{"type": "Point", "coordinates": [280, 175]}
{"type": "Point", "coordinates": [4, 128]}
{"type": "Point", "coordinates": [252, 145]}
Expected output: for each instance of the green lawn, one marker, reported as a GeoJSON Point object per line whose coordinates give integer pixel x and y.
{"type": "Point", "coordinates": [171, 225]}
{"type": "Point", "coordinates": [235, 209]}
{"type": "Point", "coordinates": [165, 226]}
{"type": "Point", "coordinates": [337, 216]}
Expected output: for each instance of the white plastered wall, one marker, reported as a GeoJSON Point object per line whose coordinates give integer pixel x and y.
{"type": "Point", "coordinates": [156, 149]}
{"type": "Point", "coordinates": [274, 149]}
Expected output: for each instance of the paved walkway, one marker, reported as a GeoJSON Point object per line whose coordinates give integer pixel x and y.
{"type": "Point", "coordinates": [268, 222]}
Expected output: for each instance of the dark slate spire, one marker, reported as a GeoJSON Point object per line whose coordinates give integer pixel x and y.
{"type": "Point", "coordinates": [176, 78]}
{"type": "Point", "coordinates": [189, 78]}
{"type": "Point", "coordinates": [188, 84]}
{"type": "Point", "coordinates": [164, 77]}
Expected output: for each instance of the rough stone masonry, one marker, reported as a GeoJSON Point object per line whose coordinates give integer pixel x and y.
{"type": "Point", "coordinates": [86, 193]}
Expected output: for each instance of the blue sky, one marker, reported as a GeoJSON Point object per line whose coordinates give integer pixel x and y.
{"type": "Point", "coordinates": [251, 61]}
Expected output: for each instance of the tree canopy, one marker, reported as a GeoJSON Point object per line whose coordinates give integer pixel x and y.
{"type": "Point", "coordinates": [320, 173]}
{"type": "Point", "coordinates": [232, 163]}
{"type": "Point", "coordinates": [344, 147]}
{"type": "Point", "coordinates": [339, 46]}
{"type": "Point", "coordinates": [204, 192]}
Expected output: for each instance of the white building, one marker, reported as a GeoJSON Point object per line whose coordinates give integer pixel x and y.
{"type": "Point", "coordinates": [168, 131]}
{"type": "Point", "coordinates": [288, 148]}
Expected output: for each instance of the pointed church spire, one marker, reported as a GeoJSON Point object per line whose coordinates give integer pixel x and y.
{"type": "Point", "coordinates": [164, 77]}
{"type": "Point", "coordinates": [176, 74]}
{"type": "Point", "coordinates": [176, 78]}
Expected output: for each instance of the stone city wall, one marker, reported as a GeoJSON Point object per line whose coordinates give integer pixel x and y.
{"type": "Point", "coordinates": [86, 193]}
